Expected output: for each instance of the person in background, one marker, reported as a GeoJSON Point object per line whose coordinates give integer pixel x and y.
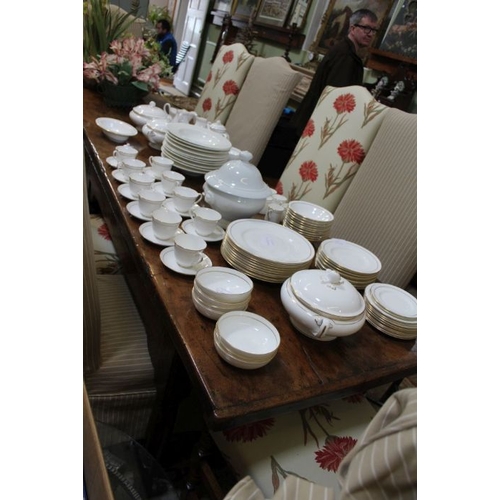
{"type": "Point", "coordinates": [341, 67]}
{"type": "Point", "coordinates": [166, 40]}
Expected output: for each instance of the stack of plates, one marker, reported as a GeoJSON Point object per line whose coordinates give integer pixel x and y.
{"type": "Point", "coordinates": [193, 149]}
{"type": "Point", "coordinates": [353, 262]}
{"type": "Point", "coordinates": [310, 220]}
{"type": "Point", "coordinates": [391, 310]}
{"type": "Point", "coordinates": [245, 339]}
{"type": "Point", "coordinates": [265, 250]}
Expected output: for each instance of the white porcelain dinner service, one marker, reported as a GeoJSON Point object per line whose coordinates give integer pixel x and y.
{"type": "Point", "coordinates": [265, 250]}
{"type": "Point", "coordinates": [353, 262]}
{"type": "Point", "coordinates": [193, 149]}
{"type": "Point", "coordinates": [218, 290]}
{"type": "Point", "coordinates": [116, 130]}
{"type": "Point", "coordinates": [246, 340]}
{"type": "Point", "coordinates": [308, 219]}
{"type": "Point", "coordinates": [391, 310]}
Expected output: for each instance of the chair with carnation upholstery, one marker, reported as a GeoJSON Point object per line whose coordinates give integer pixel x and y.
{"type": "Point", "coordinates": [118, 370]}
{"type": "Point", "coordinates": [223, 83]}
{"type": "Point", "coordinates": [332, 147]}
{"type": "Point", "coordinates": [262, 98]}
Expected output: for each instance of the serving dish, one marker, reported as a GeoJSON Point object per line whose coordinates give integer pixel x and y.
{"type": "Point", "coordinates": [116, 130]}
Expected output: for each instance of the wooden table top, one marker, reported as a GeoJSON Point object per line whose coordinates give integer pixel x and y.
{"type": "Point", "coordinates": [304, 371]}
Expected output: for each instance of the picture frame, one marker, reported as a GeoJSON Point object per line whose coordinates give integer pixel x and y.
{"type": "Point", "coordinates": [335, 22]}
{"type": "Point", "coordinates": [400, 36]}
{"type": "Point", "coordinates": [244, 9]}
{"type": "Point", "coordinates": [223, 5]}
{"type": "Point", "coordinates": [298, 14]}
{"type": "Point", "coordinates": [273, 12]}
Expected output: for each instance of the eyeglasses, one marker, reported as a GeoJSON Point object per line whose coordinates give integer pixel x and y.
{"type": "Point", "coordinates": [367, 30]}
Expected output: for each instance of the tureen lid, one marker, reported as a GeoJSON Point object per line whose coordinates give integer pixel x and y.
{"type": "Point", "coordinates": [150, 111]}
{"type": "Point", "coordinates": [239, 177]}
{"type": "Point", "coordinates": [159, 125]}
{"type": "Point", "coordinates": [326, 292]}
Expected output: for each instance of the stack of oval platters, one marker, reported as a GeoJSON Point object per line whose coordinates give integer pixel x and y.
{"type": "Point", "coordinates": [353, 262]}
{"type": "Point", "coordinates": [265, 250]}
{"type": "Point", "coordinates": [308, 219]}
{"type": "Point", "coordinates": [391, 310]}
{"type": "Point", "coordinates": [193, 149]}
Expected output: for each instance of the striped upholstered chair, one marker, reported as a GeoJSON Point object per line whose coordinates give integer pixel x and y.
{"type": "Point", "coordinates": [118, 372]}
{"type": "Point", "coordinates": [379, 210]}
{"type": "Point", "coordinates": [262, 98]}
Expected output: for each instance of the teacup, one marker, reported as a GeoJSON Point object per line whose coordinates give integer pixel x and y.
{"type": "Point", "coordinates": [165, 223]}
{"type": "Point", "coordinates": [204, 220]}
{"type": "Point", "coordinates": [170, 180]}
{"type": "Point", "coordinates": [139, 181]}
{"type": "Point", "coordinates": [184, 198]}
{"type": "Point", "coordinates": [160, 164]}
{"type": "Point", "coordinates": [125, 151]}
{"type": "Point", "coordinates": [149, 201]}
{"type": "Point", "coordinates": [130, 166]}
{"type": "Point", "coordinates": [188, 249]}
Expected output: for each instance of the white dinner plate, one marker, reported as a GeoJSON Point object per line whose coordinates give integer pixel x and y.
{"type": "Point", "coordinates": [351, 256]}
{"type": "Point", "coordinates": [393, 299]}
{"type": "Point", "coordinates": [270, 242]}
{"type": "Point", "coordinates": [205, 138]}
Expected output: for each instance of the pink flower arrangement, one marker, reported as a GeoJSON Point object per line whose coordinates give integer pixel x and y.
{"type": "Point", "coordinates": [130, 61]}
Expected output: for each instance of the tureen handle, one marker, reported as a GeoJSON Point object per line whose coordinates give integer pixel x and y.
{"type": "Point", "coordinates": [333, 277]}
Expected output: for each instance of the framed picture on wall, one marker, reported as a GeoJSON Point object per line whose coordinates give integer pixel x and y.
{"type": "Point", "coordinates": [298, 13]}
{"type": "Point", "coordinates": [223, 5]}
{"type": "Point", "coordinates": [273, 12]}
{"type": "Point", "coordinates": [335, 23]}
{"type": "Point", "coordinates": [244, 9]}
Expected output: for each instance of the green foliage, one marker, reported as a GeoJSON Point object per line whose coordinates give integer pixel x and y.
{"type": "Point", "coordinates": [101, 26]}
{"type": "Point", "coordinates": [156, 13]}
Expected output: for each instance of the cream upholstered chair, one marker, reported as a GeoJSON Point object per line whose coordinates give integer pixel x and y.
{"type": "Point", "coordinates": [118, 371]}
{"type": "Point", "coordinates": [332, 147]}
{"type": "Point", "coordinates": [224, 82]}
{"type": "Point", "coordinates": [262, 98]}
{"type": "Point", "coordinates": [379, 210]}
{"type": "Point", "coordinates": [382, 463]}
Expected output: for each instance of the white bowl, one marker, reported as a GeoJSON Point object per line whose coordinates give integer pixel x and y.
{"type": "Point", "coordinates": [248, 334]}
{"type": "Point", "coordinates": [311, 211]}
{"type": "Point", "coordinates": [219, 304]}
{"type": "Point", "coordinates": [116, 130]}
{"type": "Point", "coordinates": [236, 361]}
{"type": "Point", "coordinates": [224, 284]}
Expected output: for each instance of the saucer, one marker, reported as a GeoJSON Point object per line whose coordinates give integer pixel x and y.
{"type": "Point", "coordinates": [169, 205]}
{"type": "Point", "coordinates": [124, 190]}
{"type": "Point", "coordinates": [168, 258]}
{"type": "Point", "coordinates": [118, 175]}
{"type": "Point", "coordinates": [133, 209]}
{"type": "Point", "coordinates": [217, 235]}
{"type": "Point", "coordinates": [147, 233]}
{"type": "Point", "coordinates": [112, 161]}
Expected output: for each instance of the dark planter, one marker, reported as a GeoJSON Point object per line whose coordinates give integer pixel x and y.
{"type": "Point", "coordinates": [122, 96]}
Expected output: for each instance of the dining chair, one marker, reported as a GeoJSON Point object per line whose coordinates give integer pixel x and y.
{"type": "Point", "coordinates": [262, 98]}
{"type": "Point", "coordinates": [223, 83]}
{"type": "Point", "coordinates": [379, 210]}
{"type": "Point", "coordinates": [117, 367]}
{"type": "Point", "coordinates": [332, 146]}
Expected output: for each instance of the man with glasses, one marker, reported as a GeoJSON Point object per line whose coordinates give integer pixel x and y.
{"type": "Point", "coordinates": [342, 66]}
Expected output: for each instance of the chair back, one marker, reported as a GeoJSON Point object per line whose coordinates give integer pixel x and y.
{"type": "Point", "coordinates": [224, 82]}
{"type": "Point", "coordinates": [332, 147]}
{"type": "Point", "coordinates": [91, 307]}
{"type": "Point", "coordinates": [262, 98]}
{"type": "Point", "coordinates": [379, 210]}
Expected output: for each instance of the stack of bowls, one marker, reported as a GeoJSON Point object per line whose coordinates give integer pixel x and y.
{"type": "Point", "coordinates": [218, 290]}
{"type": "Point", "coordinates": [353, 262]}
{"type": "Point", "coordinates": [246, 340]}
{"type": "Point", "coordinates": [308, 219]}
{"type": "Point", "coordinates": [391, 310]}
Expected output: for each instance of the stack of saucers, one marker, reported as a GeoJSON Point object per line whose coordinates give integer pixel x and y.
{"type": "Point", "coordinates": [353, 262]}
{"type": "Point", "coordinates": [391, 310]}
{"type": "Point", "coordinates": [265, 250]}
{"type": "Point", "coordinates": [218, 290]}
{"type": "Point", "coordinates": [310, 220]}
{"type": "Point", "coordinates": [246, 340]}
{"type": "Point", "coordinates": [195, 150]}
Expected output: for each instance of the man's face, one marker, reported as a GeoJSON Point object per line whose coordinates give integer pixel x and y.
{"type": "Point", "coordinates": [159, 29]}
{"type": "Point", "coordinates": [363, 32]}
